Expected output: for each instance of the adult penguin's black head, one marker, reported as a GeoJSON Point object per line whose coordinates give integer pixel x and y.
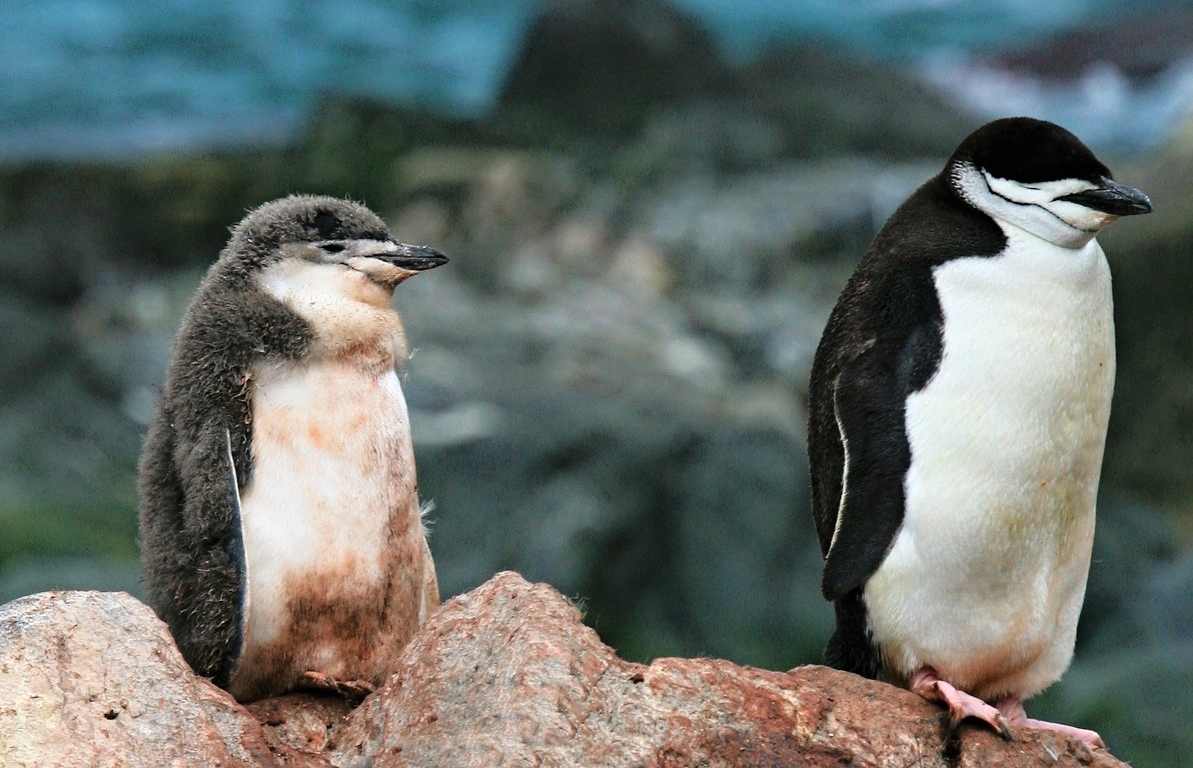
{"type": "Point", "coordinates": [1041, 178]}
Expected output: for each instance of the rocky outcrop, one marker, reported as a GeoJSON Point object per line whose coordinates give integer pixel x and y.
{"type": "Point", "coordinates": [1142, 45]}
{"type": "Point", "coordinates": [504, 675]}
{"type": "Point", "coordinates": [623, 70]}
{"type": "Point", "coordinates": [94, 679]}
{"type": "Point", "coordinates": [600, 66]}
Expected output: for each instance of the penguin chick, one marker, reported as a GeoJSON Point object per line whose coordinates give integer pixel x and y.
{"type": "Point", "coordinates": [959, 400]}
{"type": "Point", "coordinates": [281, 535]}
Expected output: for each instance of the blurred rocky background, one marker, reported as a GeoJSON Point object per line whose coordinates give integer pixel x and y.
{"type": "Point", "coordinates": [650, 209]}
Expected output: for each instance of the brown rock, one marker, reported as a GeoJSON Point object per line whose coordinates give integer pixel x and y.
{"type": "Point", "coordinates": [504, 675]}
{"type": "Point", "coordinates": [299, 726]}
{"type": "Point", "coordinates": [508, 675]}
{"type": "Point", "coordinates": [94, 679]}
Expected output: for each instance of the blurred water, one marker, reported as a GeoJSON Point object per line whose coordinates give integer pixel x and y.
{"type": "Point", "coordinates": [104, 77]}
{"type": "Point", "coordinates": [96, 78]}
{"type": "Point", "coordinates": [898, 30]}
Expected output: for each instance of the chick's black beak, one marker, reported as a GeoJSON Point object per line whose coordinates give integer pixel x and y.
{"type": "Point", "coordinates": [415, 258]}
{"type": "Point", "coordinates": [1113, 198]}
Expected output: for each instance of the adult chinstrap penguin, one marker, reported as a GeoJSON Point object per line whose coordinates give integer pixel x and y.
{"type": "Point", "coordinates": [959, 400]}
{"type": "Point", "coordinates": [281, 533]}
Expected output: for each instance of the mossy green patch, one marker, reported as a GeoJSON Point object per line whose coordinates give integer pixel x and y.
{"type": "Point", "coordinates": [104, 529]}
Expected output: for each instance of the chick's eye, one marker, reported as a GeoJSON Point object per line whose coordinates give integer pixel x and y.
{"type": "Point", "coordinates": [332, 247]}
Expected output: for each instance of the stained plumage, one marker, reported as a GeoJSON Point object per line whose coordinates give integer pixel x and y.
{"type": "Point", "coordinates": [958, 408]}
{"type": "Point", "coordinates": [281, 531]}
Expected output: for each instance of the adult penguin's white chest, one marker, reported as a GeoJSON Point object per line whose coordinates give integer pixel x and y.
{"type": "Point", "coordinates": [985, 579]}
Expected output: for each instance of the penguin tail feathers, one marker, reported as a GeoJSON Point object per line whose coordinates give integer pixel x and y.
{"type": "Point", "coordinates": [850, 648]}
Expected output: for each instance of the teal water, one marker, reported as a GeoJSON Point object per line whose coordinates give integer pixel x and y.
{"type": "Point", "coordinates": [97, 78]}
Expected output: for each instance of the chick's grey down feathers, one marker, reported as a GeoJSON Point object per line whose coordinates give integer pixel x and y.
{"type": "Point", "coordinates": [191, 544]}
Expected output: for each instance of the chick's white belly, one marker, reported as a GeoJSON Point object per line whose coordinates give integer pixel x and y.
{"type": "Point", "coordinates": [985, 580]}
{"type": "Point", "coordinates": [332, 489]}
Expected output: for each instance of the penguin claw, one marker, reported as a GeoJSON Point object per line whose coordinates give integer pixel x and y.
{"type": "Point", "coordinates": [956, 716]}
{"type": "Point", "coordinates": [1087, 737]}
{"type": "Point", "coordinates": [318, 682]}
{"type": "Point", "coordinates": [1012, 708]}
{"type": "Point", "coordinates": [961, 704]}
